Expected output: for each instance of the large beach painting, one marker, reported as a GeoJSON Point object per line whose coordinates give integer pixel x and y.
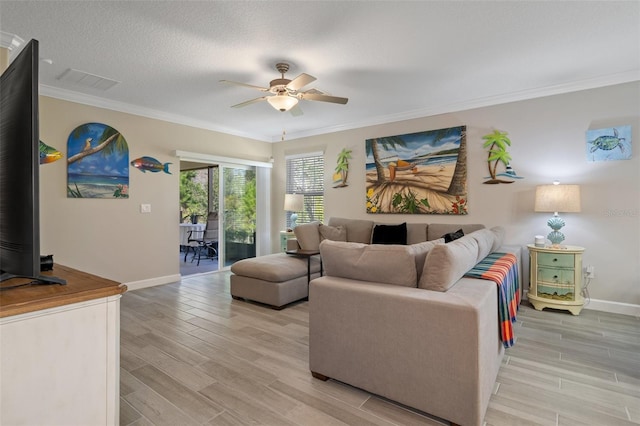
{"type": "Point", "coordinates": [418, 173]}
{"type": "Point", "coordinates": [97, 162]}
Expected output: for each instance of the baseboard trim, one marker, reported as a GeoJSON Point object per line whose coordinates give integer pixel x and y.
{"type": "Point", "coordinates": [614, 307]}
{"type": "Point", "coordinates": [152, 282]}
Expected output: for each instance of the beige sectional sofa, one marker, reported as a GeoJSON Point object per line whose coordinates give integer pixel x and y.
{"type": "Point", "coordinates": [404, 323]}
{"type": "Point", "coordinates": [280, 279]}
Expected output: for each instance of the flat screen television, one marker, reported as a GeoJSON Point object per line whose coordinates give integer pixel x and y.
{"type": "Point", "coordinates": [19, 169]}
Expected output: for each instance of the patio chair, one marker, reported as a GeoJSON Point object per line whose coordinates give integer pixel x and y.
{"type": "Point", "coordinates": [204, 241]}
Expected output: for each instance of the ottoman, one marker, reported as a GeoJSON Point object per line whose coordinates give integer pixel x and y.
{"type": "Point", "coordinates": [275, 279]}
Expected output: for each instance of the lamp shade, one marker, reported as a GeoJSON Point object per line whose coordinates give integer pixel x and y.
{"type": "Point", "coordinates": [293, 202]}
{"type": "Point", "coordinates": [557, 198]}
{"type": "Point", "coordinates": [282, 102]}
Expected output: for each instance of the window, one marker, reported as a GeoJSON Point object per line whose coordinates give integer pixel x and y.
{"type": "Point", "coordinates": [305, 175]}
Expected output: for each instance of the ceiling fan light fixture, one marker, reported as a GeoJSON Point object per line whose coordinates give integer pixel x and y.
{"type": "Point", "coordinates": [282, 102]}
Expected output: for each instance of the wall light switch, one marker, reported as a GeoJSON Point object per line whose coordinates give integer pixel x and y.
{"type": "Point", "coordinates": [145, 208]}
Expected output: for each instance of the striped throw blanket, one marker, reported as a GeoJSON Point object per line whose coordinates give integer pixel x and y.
{"type": "Point", "coordinates": [502, 269]}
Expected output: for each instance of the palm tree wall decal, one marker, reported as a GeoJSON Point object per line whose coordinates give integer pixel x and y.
{"type": "Point", "coordinates": [342, 167]}
{"type": "Point", "coordinates": [497, 143]}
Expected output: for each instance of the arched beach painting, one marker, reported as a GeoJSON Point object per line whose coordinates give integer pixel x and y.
{"type": "Point", "coordinates": [97, 162]}
{"type": "Point", "coordinates": [418, 173]}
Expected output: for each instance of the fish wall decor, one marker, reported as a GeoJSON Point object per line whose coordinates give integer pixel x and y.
{"type": "Point", "coordinates": [48, 154]}
{"type": "Point", "coordinates": [150, 164]}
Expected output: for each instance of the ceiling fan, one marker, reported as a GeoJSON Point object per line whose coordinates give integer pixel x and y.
{"type": "Point", "coordinates": [285, 93]}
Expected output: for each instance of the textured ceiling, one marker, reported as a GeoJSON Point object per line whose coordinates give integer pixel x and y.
{"type": "Point", "coordinates": [393, 60]}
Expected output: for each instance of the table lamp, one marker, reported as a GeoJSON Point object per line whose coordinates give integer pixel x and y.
{"type": "Point", "coordinates": [557, 198]}
{"type": "Point", "coordinates": [293, 203]}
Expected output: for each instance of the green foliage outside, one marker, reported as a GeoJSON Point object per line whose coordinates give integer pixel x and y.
{"type": "Point", "coordinates": [193, 196]}
{"type": "Point", "coordinates": [240, 205]}
{"type": "Point", "coordinates": [239, 200]}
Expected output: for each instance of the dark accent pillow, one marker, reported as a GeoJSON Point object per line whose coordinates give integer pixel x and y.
{"type": "Point", "coordinates": [390, 234]}
{"type": "Point", "coordinates": [453, 236]}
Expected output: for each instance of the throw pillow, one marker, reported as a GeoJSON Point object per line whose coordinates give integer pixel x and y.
{"type": "Point", "coordinates": [308, 236]}
{"type": "Point", "coordinates": [452, 236]}
{"type": "Point", "coordinates": [334, 233]}
{"type": "Point", "coordinates": [390, 234]}
{"type": "Point", "coordinates": [358, 230]}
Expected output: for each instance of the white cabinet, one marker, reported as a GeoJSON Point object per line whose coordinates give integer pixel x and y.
{"type": "Point", "coordinates": [60, 365]}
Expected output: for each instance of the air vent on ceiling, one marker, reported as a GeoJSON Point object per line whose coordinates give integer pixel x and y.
{"type": "Point", "coordinates": [82, 78]}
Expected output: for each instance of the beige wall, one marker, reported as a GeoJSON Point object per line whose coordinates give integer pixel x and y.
{"type": "Point", "coordinates": [548, 142]}
{"type": "Point", "coordinates": [111, 238]}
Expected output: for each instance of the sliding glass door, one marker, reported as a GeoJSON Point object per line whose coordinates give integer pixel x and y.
{"type": "Point", "coordinates": [229, 188]}
{"type": "Point", "coordinates": [238, 201]}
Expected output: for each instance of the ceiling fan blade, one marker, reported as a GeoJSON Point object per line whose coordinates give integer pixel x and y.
{"type": "Point", "coordinates": [264, 89]}
{"type": "Point", "coordinates": [316, 91]}
{"type": "Point", "coordinates": [296, 111]}
{"type": "Point", "coordinates": [252, 101]}
{"type": "Point", "coordinates": [300, 81]}
{"type": "Point", "coordinates": [323, 98]}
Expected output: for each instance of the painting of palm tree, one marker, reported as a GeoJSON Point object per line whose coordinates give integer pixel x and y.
{"type": "Point", "coordinates": [97, 163]}
{"type": "Point", "coordinates": [417, 173]}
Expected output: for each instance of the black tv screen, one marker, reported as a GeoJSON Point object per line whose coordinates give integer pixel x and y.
{"type": "Point", "coordinates": [19, 162]}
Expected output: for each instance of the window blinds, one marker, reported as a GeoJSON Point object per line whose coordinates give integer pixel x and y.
{"type": "Point", "coordinates": [305, 175]}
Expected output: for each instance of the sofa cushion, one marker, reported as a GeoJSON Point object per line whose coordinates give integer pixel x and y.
{"type": "Point", "coordinates": [420, 251]}
{"type": "Point", "coordinates": [447, 263]}
{"type": "Point", "coordinates": [499, 232]}
{"type": "Point", "coordinates": [358, 230]}
{"type": "Point", "coordinates": [390, 234]}
{"type": "Point", "coordinates": [389, 264]}
{"type": "Point", "coordinates": [485, 239]}
{"type": "Point", "coordinates": [416, 233]}
{"type": "Point", "coordinates": [335, 233]}
{"type": "Point", "coordinates": [308, 235]}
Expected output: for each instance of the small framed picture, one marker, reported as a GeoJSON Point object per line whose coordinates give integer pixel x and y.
{"type": "Point", "coordinates": [613, 143]}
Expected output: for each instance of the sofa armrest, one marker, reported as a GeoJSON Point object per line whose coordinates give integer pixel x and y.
{"type": "Point", "coordinates": [435, 351]}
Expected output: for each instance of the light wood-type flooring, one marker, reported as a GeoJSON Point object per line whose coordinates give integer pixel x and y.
{"type": "Point", "coordinates": [190, 355]}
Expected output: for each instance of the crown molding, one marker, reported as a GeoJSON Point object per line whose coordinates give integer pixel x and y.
{"type": "Point", "coordinates": [592, 83]}
{"type": "Point", "coordinates": [576, 86]}
{"type": "Point", "coordinates": [11, 42]}
{"type": "Point", "coordinates": [95, 101]}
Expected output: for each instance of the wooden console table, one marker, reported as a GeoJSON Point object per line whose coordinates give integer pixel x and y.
{"type": "Point", "coordinates": [60, 350]}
